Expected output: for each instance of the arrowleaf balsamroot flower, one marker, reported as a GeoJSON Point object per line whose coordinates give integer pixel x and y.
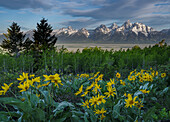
{"type": "Point", "coordinates": [101, 99]}
{"type": "Point", "coordinates": [109, 84]}
{"type": "Point", "coordinates": [80, 90]}
{"type": "Point", "coordinates": [118, 75]}
{"type": "Point", "coordinates": [57, 81]}
{"type": "Point", "coordinates": [54, 79]}
{"type": "Point", "coordinates": [94, 101]}
{"type": "Point", "coordinates": [85, 93]}
{"type": "Point", "coordinates": [51, 77]}
{"type": "Point", "coordinates": [86, 103]}
{"type": "Point", "coordinates": [23, 77]}
{"type": "Point", "coordinates": [130, 101]}
{"type": "Point", "coordinates": [5, 88]}
{"type": "Point", "coordinates": [90, 87]}
{"type": "Point", "coordinates": [163, 75]}
{"type": "Point", "coordinates": [111, 91]}
{"type": "Point", "coordinates": [24, 86]}
{"type": "Point", "coordinates": [96, 88]}
{"type": "Point", "coordinates": [139, 105]}
{"type": "Point", "coordinates": [145, 91]}
{"type": "Point", "coordinates": [1, 92]}
{"type": "Point", "coordinates": [102, 111]}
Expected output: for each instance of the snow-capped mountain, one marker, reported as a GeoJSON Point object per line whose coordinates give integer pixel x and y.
{"type": "Point", "coordinates": [126, 33]}
{"type": "Point", "coordinates": [102, 29]}
{"type": "Point", "coordinates": [68, 31]}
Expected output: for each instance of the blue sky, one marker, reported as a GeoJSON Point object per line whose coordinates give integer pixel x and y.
{"type": "Point", "coordinates": [84, 13]}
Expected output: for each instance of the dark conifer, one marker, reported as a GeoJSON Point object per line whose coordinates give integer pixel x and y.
{"type": "Point", "coordinates": [43, 40]}
{"type": "Point", "coordinates": [14, 39]}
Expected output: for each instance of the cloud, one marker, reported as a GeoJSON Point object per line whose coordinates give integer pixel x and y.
{"type": "Point", "coordinates": [25, 28]}
{"type": "Point", "coordinates": [21, 4]}
{"type": "Point", "coordinates": [122, 10]}
{"type": "Point", "coordinates": [2, 12]}
{"type": "Point", "coordinates": [79, 23]}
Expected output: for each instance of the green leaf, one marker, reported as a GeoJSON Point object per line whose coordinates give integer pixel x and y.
{"type": "Point", "coordinates": [164, 91]}
{"type": "Point", "coordinates": [60, 120]}
{"type": "Point", "coordinates": [148, 114]}
{"type": "Point", "coordinates": [116, 110]}
{"type": "Point", "coordinates": [38, 114]}
{"type": "Point", "coordinates": [17, 104]}
{"type": "Point", "coordinates": [137, 93]}
{"type": "Point", "coordinates": [145, 86]}
{"type": "Point", "coordinates": [154, 98]}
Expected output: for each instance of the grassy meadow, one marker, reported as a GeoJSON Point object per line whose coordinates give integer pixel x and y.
{"type": "Point", "coordinates": [89, 85]}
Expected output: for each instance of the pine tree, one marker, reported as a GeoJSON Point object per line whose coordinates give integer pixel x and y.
{"type": "Point", "coordinates": [43, 40]}
{"type": "Point", "coordinates": [14, 39]}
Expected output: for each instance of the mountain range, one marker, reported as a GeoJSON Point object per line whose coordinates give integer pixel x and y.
{"type": "Point", "coordinates": [126, 33]}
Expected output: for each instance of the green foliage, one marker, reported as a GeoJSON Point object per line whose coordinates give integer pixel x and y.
{"type": "Point", "coordinates": [42, 36]}
{"type": "Point", "coordinates": [14, 39]}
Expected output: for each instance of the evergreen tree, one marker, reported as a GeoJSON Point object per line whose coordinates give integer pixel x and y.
{"type": "Point", "coordinates": [43, 40]}
{"type": "Point", "coordinates": [27, 45]}
{"type": "Point", "coordinates": [14, 39]}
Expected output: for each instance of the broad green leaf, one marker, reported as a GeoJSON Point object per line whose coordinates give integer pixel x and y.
{"type": "Point", "coordinates": [148, 114]}
{"type": "Point", "coordinates": [137, 93]}
{"type": "Point", "coordinates": [164, 91]}
{"type": "Point", "coordinates": [38, 114]}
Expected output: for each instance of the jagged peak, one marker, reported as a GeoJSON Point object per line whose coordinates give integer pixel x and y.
{"type": "Point", "coordinates": [113, 26]}
{"type": "Point", "coordinates": [127, 24]}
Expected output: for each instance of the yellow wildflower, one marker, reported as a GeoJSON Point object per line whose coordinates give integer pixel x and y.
{"type": "Point", "coordinates": [141, 80]}
{"type": "Point", "coordinates": [85, 93]}
{"type": "Point", "coordinates": [109, 84]}
{"type": "Point", "coordinates": [96, 88]}
{"type": "Point", "coordinates": [102, 111]}
{"type": "Point", "coordinates": [39, 85]}
{"type": "Point", "coordinates": [125, 95]}
{"type": "Point", "coordinates": [32, 76]}
{"type": "Point", "coordinates": [86, 103]}
{"type": "Point", "coordinates": [139, 105]}
{"type": "Point", "coordinates": [118, 75]}
{"type": "Point", "coordinates": [163, 75]}
{"type": "Point", "coordinates": [23, 77]}
{"type": "Point", "coordinates": [1, 92]}
{"type": "Point", "coordinates": [96, 74]}
{"type": "Point", "coordinates": [145, 91]}
{"type": "Point", "coordinates": [102, 116]}
{"type": "Point", "coordinates": [38, 95]}
{"type": "Point", "coordinates": [57, 81]}
{"type": "Point", "coordinates": [130, 102]}
{"type": "Point", "coordinates": [80, 90]}
{"type": "Point", "coordinates": [111, 91]}
{"type": "Point", "coordinates": [90, 87]}
{"type": "Point", "coordinates": [44, 84]}
{"type": "Point", "coordinates": [123, 83]}
{"type": "Point", "coordinates": [156, 73]}
{"type": "Point", "coordinates": [100, 77]}
{"type": "Point", "coordinates": [150, 78]}
{"type": "Point", "coordinates": [24, 86]}
{"type": "Point", "coordinates": [94, 101]}
{"type": "Point", "coordinates": [37, 79]}
{"type": "Point", "coordinates": [101, 99]}
{"type": "Point", "coordinates": [6, 87]}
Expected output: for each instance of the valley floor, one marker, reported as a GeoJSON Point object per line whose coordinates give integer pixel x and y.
{"type": "Point", "coordinates": [75, 46]}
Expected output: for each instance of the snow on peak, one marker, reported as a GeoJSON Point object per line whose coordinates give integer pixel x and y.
{"type": "Point", "coordinates": [84, 31]}
{"type": "Point", "coordinates": [113, 26]}
{"type": "Point", "coordinates": [69, 30]}
{"type": "Point", "coordinates": [127, 24]}
{"type": "Point", "coordinates": [140, 27]}
{"type": "Point", "coordinates": [102, 28]}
